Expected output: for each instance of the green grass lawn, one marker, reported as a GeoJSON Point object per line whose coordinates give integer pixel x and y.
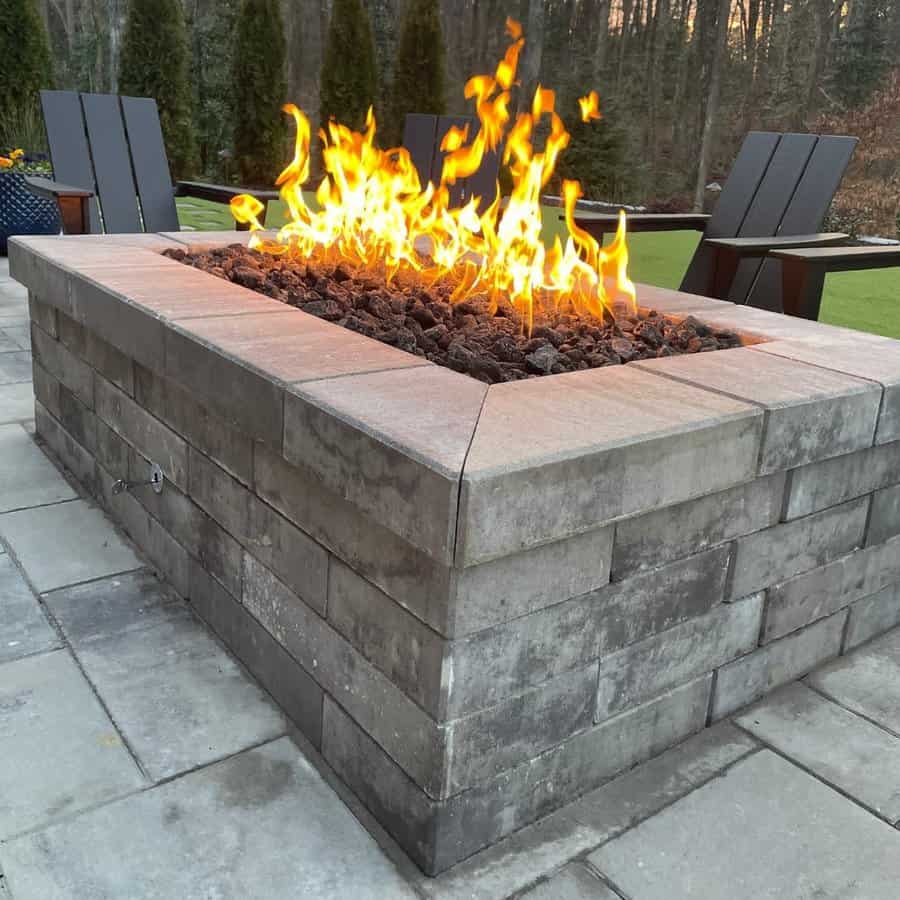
{"type": "Point", "coordinates": [868, 301]}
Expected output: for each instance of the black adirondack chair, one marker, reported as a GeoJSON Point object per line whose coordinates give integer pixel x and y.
{"type": "Point", "coordinates": [775, 199]}
{"type": "Point", "coordinates": [422, 137]}
{"type": "Point", "coordinates": [110, 168]}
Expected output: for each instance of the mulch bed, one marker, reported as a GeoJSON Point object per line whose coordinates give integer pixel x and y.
{"type": "Point", "coordinates": [465, 336]}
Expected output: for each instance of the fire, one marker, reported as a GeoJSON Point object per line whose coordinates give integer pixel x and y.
{"type": "Point", "coordinates": [373, 211]}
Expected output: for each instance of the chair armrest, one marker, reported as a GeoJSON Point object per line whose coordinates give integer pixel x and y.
{"type": "Point", "coordinates": [760, 246]}
{"type": "Point", "coordinates": [53, 190]}
{"type": "Point", "coordinates": [603, 223]}
{"type": "Point", "coordinates": [870, 255]}
{"type": "Point", "coordinates": [218, 193]}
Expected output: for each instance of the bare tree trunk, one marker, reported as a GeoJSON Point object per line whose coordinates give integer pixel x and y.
{"type": "Point", "coordinates": [530, 66]}
{"type": "Point", "coordinates": [712, 101]}
{"type": "Point", "coordinates": [600, 25]}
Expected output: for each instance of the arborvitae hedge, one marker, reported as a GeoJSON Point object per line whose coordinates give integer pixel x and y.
{"type": "Point", "coordinates": [155, 62]}
{"type": "Point", "coordinates": [348, 71]}
{"type": "Point", "coordinates": [24, 66]}
{"type": "Point", "coordinates": [419, 84]}
{"type": "Point", "coordinates": [258, 93]}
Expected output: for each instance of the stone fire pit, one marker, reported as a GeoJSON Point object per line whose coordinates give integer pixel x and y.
{"type": "Point", "coordinates": [478, 602]}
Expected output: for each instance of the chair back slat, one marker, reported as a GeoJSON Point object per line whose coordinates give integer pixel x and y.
{"type": "Point", "coordinates": [112, 163]}
{"type": "Point", "coordinates": [69, 153]}
{"type": "Point", "coordinates": [484, 182]}
{"type": "Point", "coordinates": [444, 124]}
{"type": "Point", "coordinates": [151, 166]}
{"type": "Point", "coordinates": [772, 199]}
{"type": "Point", "coordinates": [733, 204]}
{"type": "Point", "coordinates": [806, 211]}
{"type": "Point", "coordinates": [418, 138]}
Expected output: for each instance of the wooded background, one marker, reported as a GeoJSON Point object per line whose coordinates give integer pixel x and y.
{"type": "Point", "coordinates": [680, 81]}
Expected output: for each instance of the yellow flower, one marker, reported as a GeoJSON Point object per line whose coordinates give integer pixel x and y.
{"type": "Point", "coordinates": [5, 163]}
{"type": "Point", "coordinates": [16, 154]}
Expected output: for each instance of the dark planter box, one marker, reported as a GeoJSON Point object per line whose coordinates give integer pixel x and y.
{"type": "Point", "coordinates": [22, 212]}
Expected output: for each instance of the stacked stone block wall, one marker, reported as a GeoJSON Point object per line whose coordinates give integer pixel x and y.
{"type": "Point", "coordinates": [461, 703]}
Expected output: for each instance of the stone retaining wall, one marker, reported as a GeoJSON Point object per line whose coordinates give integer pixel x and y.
{"type": "Point", "coordinates": [477, 603]}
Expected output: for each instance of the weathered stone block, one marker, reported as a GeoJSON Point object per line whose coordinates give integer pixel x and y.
{"type": "Point", "coordinates": [63, 365]}
{"type": "Point", "coordinates": [77, 419]}
{"type": "Point", "coordinates": [370, 439]}
{"type": "Point", "coordinates": [73, 455]}
{"type": "Point", "coordinates": [46, 388]}
{"type": "Point", "coordinates": [872, 616]}
{"type": "Point", "coordinates": [295, 691]}
{"type": "Point", "coordinates": [812, 413]}
{"type": "Point", "coordinates": [390, 637]}
{"type": "Point", "coordinates": [779, 553]}
{"type": "Point", "coordinates": [112, 451]}
{"type": "Point", "coordinates": [635, 674]}
{"type": "Point", "coordinates": [42, 315]}
{"type": "Point", "coordinates": [106, 359]}
{"type": "Point", "coordinates": [884, 521]}
{"type": "Point", "coordinates": [144, 432]}
{"type": "Point", "coordinates": [748, 678]}
{"type": "Point", "coordinates": [223, 497]}
{"type": "Point", "coordinates": [597, 460]}
{"type": "Point", "coordinates": [819, 593]}
{"type": "Point", "coordinates": [650, 540]}
{"type": "Point", "coordinates": [819, 485]}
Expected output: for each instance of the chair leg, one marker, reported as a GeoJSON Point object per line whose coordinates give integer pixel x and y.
{"type": "Point", "coordinates": [724, 268]}
{"type": "Point", "coordinates": [73, 211]}
{"type": "Point", "coordinates": [801, 285]}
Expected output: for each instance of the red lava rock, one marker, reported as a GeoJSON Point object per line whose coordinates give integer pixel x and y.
{"type": "Point", "coordinates": [471, 337]}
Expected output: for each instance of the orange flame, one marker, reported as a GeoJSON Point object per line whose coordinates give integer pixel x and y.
{"type": "Point", "coordinates": [372, 209]}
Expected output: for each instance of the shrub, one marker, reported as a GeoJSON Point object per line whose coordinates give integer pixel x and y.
{"type": "Point", "coordinates": [348, 70]}
{"type": "Point", "coordinates": [155, 62]}
{"type": "Point", "coordinates": [25, 67]}
{"type": "Point", "coordinates": [259, 86]}
{"type": "Point", "coordinates": [418, 83]}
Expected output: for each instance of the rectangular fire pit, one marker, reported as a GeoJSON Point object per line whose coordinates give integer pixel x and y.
{"type": "Point", "coordinates": [478, 602]}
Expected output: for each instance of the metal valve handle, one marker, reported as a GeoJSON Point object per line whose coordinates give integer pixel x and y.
{"type": "Point", "coordinates": [155, 481]}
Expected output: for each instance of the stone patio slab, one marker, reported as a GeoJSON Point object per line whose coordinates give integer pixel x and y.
{"type": "Point", "coordinates": [27, 477]}
{"type": "Point", "coordinates": [16, 402]}
{"type": "Point", "coordinates": [858, 758]}
{"type": "Point", "coordinates": [60, 752]}
{"type": "Point", "coordinates": [178, 697]}
{"type": "Point", "coordinates": [212, 834]}
{"type": "Point", "coordinates": [624, 441]}
{"type": "Point", "coordinates": [20, 336]}
{"type": "Point", "coordinates": [111, 606]}
{"type": "Point", "coordinates": [24, 628]}
{"type": "Point", "coordinates": [15, 367]}
{"type": "Point", "coordinates": [812, 413]}
{"type": "Point", "coordinates": [65, 544]}
{"type": "Point", "coordinates": [572, 882]}
{"type": "Point", "coordinates": [867, 681]}
{"type": "Point", "coordinates": [8, 343]}
{"type": "Point", "coordinates": [766, 830]}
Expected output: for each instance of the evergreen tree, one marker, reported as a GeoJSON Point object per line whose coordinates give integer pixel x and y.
{"type": "Point", "coordinates": [418, 84]}
{"type": "Point", "coordinates": [258, 91]}
{"type": "Point", "coordinates": [862, 52]}
{"type": "Point", "coordinates": [25, 66]}
{"type": "Point", "coordinates": [348, 70]}
{"type": "Point", "coordinates": [155, 62]}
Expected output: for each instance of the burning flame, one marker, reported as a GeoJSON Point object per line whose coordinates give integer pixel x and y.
{"type": "Point", "coordinates": [374, 211]}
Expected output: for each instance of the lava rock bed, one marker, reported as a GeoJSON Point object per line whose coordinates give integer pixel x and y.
{"type": "Point", "coordinates": [466, 336]}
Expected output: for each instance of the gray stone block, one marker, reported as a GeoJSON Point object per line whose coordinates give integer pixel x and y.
{"type": "Point", "coordinates": [819, 593]}
{"type": "Point", "coordinates": [832, 481]}
{"type": "Point", "coordinates": [42, 315]}
{"type": "Point", "coordinates": [842, 749]}
{"type": "Point", "coordinates": [371, 440]}
{"type": "Point", "coordinates": [77, 419]}
{"type": "Point", "coordinates": [408, 575]}
{"type": "Point", "coordinates": [224, 498]}
{"type": "Point", "coordinates": [884, 521]}
{"type": "Point", "coordinates": [650, 540]}
{"type": "Point", "coordinates": [252, 403]}
{"type": "Point", "coordinates": [437, 835]}
{"type": "Point", "coordinates": [106, 359]}
{"type": "Point", "coordinates": [49, 283]}
{"type": "Point", "coordinates": [67, 450]}
{"type": "Point", "coordinates": [748, 678]}
{"type": "Point", "coordinates": [765, 829]}
{"type": "Point", "coordinates": [46, 388]}
{"type": "Point", "coordinates": [63, 365]}
{"type": "Point", "coordinates": [633, 675]}
{"type": "Point", "coordinates": [812, 413]}
{"type": "Point", "coordinates": [779, 553]}
{"type": "Point", "coordinates": [499, 662]}
{"type": "Point", "coordinates": [872, 616]}
{"type": "Point", "coordinates": [295, 691]}
{"type": "Point", "coordinates": [112, 452]}
{"type": "Point", "coordinates": [145, 433]}
{"type": "Point", "coordinates": [390, 637]}
{"type": "Point", "coordinates": [539, 470]}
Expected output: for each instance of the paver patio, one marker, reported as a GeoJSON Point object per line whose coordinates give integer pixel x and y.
{"type": "Point", "coordinates": [138, 759]}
